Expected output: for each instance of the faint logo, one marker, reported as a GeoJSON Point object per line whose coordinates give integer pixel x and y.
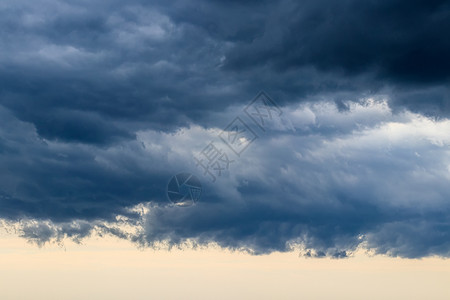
{"type": "Point", "coordinates": [237, 136]}
{"type": "Point", "coordinates": [262, 110]}
{"type": "Point", "coordinates": [184, 189]}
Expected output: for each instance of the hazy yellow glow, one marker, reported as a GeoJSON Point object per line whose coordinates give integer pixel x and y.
{"type": "Point", "coordinates": [109, 268]}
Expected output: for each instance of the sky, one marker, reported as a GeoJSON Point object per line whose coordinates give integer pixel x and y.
{"type": "Point", "coordinates": [83, 271]}
{"type": "Point", "coordinates": [319, 128]}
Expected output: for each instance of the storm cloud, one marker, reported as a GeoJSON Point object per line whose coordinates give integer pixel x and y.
{"type": "Point", "coordinates": [102, 102]}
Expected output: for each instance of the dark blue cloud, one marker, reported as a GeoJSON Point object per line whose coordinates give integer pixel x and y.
{"type": "Point", "coordinates": [399, 40]}
{"type": "Point", "coordinates": [102, 102]}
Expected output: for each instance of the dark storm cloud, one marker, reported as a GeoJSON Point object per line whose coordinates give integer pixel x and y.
{"type": "Point", "coordinates": [72, 66]}
{"type": "Point", "coordinates": [305, 49]}
{"type": "Point", "coordinates": [381, 188]}
{"type": "Point", "coordinates": [101, 102]}
{"type": "Point", "coordinates": [59, 181]}
{"type": "Point", "coordinates": [399, 40]}
{"type": "Point", "coordinates": [161, 66]}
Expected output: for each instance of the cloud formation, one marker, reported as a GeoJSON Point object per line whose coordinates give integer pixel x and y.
{"type": "Point", "coordinates": [102, 102]}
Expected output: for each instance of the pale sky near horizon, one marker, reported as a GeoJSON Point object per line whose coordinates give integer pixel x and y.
{"type": "Point", "coordinates": [111, 268]}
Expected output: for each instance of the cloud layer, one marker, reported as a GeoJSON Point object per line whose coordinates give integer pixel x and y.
{"type": "Point", "coordinates": [102, 102]}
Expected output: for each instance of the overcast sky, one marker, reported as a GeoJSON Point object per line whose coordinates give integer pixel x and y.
{"type": "Point", "coordinates": [102, 102]}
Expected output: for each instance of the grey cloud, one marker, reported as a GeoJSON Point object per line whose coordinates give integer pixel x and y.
{"type": "Point", "coordinates": [379, 182]}
{"type": "Point", "coordinates": [102, 102]}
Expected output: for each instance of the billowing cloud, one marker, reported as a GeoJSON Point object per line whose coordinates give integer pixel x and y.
{"type": "Point", "coordinates": [331, 181]}
{"type": "Point", "coordinates": [102, 102]}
